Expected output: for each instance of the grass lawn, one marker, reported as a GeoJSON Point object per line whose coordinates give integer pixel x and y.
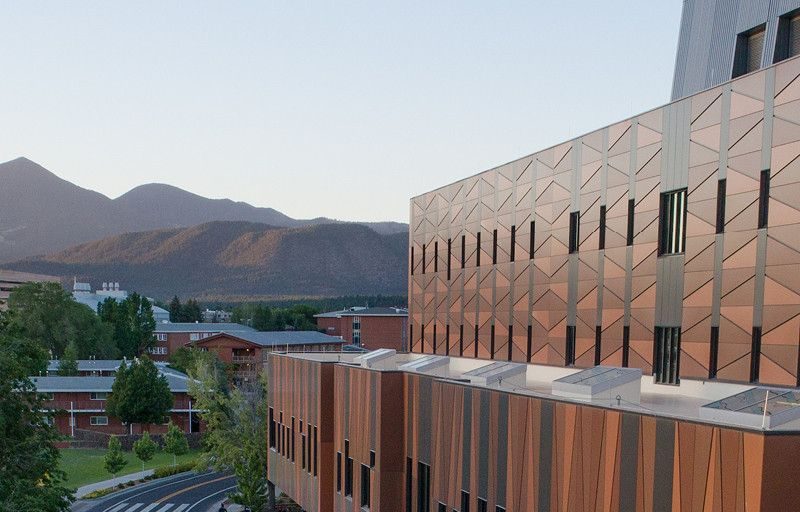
{"type": "Point", "coordinates": [85, 466]}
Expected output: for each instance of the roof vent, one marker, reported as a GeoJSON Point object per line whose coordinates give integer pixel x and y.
{"type": "Point", "coordinates": [757, 407]}
{"type": "Point", "coordinates": [602, 382]}
{"type": "Point", "coordinates": [381, 359]}
{"type": "Point", "coordinates": [498, 373]}
{"type": "Point", "coordinates": [431, 364]}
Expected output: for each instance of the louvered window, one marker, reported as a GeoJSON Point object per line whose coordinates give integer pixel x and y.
{"type": "Point", "coordinates": [666, 356]}
{"type": "Point", "coordinates": [787, 42]}
{"type": "Point", "coordinates": [749, 49]}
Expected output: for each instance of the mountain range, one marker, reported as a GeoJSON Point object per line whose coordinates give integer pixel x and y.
{"type": "Point", "coordinates": [161, 240]}
{"type": "Point", "coordinates": [41, 213]}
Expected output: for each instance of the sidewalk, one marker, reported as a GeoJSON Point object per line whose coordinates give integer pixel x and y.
{"type": "Point", "coordinates": [229, 508]}
{"type": "Point", "coordinates": [105, 484]}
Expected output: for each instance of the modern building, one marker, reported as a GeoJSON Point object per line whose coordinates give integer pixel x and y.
{"type": "Point", "coordinates": [80, 402]}
{"type": "Point", "coordinates": [371, 328]}
{"type": "Point", "coordinates": [612, 323]}
{"type": "Point", "coordinates": [172, 336]}
{"type": "Point", "coordinates": [247, 350]}
{"type": "Point", "coordinates": [82, 293]}
{"type": "Point", "coordinates": [10, 279]}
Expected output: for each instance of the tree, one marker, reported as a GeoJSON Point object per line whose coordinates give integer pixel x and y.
{"type": "Point", "coordinates": [140, 393]}
{"type": "Point", "coordinates": [46, 314]}
{"type": "Point", "coordinates": [68, 365]}
{"type": "Point", "coordinates": [132, 323]}
{"type": "Point", "coordinates": [175, 442]}
{"type": "Point", "coordinates": [114, 461]}
{"type": "Point", "coordinates": [29, 474]}
{"type": "Point", "coordinates": [236, 434]}
{"type": "Point", "coordinates": [175, 311]}
{"type": "Point", "coordinates": [144, 448]}
{"type": "Point", "coordinates": [191, 312]}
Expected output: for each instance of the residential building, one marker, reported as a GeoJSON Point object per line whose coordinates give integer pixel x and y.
{"type": "Point", "coordinates": [612, 323]}
{"type": "Point", "coordinates": [368, 327]}
{"type": "Point", "coordinates": [172, 336]}
{"type": "Point", "coordinates": [10, 279]}
{"type": "Point", "coordinates": [89, 367]}
{"type": "Point", "coordinates": [247, 350]}
{"type": "Point", "coordinates": [80, 401]}
{"type": "Point", "coordinates": [82, 293]}
{"type": "Point", "coordinates": [217, 315]}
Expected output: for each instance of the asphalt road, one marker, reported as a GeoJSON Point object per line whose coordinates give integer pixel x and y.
{"type": "Point", "coordinates": [191, 492]}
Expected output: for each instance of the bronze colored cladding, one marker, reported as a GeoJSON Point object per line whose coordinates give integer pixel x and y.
{"type": "Point", "coordinates": [741, 280]}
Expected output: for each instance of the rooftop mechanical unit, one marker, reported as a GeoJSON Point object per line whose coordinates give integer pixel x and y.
{"type": "Point", "coordinates": [757, 407]}
{"type": "Point", "coordinates": [381, 359]}
{"type": "Point", "coordinates": [498, 373]}
{"type": "Point", "coordinates": [431, 364]}
{"type": "Point", "coordinates": [601, 382]}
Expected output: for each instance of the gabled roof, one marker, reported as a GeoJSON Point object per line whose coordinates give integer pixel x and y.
{"type": "Point", "coordinates": [279, 338]}
{"type": "Point", "coordinates": [356, 311]}
{"type": "Point", "coordinates": [201, 327]}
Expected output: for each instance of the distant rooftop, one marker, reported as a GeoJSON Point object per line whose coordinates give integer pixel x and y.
{"type": "Point", "coordinates": [202, 327]}
{"type": "Point", "coordinates": [178, 382]}
{"type": "Point", "coordinates": [89, 365]}
{"type": "Point", "coordinates": [364, 311]}
{"type": "Point", "coordinates": [282, 338]}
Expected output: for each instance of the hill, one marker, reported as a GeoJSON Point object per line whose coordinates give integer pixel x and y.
{"type": "Point", "coordinates": [41, 213]}
{"type": "Point", "coordinates": [235, 260]}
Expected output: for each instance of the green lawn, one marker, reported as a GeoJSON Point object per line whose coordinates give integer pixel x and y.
{"type": "Point", "coordinates": [85, 466]}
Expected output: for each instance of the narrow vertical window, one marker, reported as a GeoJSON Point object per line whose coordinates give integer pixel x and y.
{"type": "Point", "coordinates": [491, 341]}
{"type": "Point", "coordinates": [478, 251]}
{"type": "Point", "coordinates": [423, 258]}
{"type": "Point", "coordinates": [463, 250]}
{"type": "Point", "coordinates": [434, 340]}
{"type": "Point", "coordinates": [631, 208]}
{"type": "Point", "coordinates": [626, 344]}
{"type": "Point", "coordinates": [339, 472]}
{"type": "Point", "coordinates": [476, 341]}
{"type": "Point", "coordinates": [422, 345]}
{"type": "Point", "coordinates": [666, 356]}
{"type": "Point", "coordinates": [482, 505]}
{"type": "Point", "coordinates": [316, 452]}
{"type": "Point", "coordinates": [602, 244]}
{"type": "Point", "coordinates": [412, 260]}
{"type": "Point", "coordinates": [721, 186]}
{"type": "Point", "coordinates": [755, 355]}
{"type": "Point", "coordinates": [763, 199]}
{"type": "Point", "coordinates": [494, 247]}
{"type": "Point", "coordinates": [598, 335]}
{"type": "Point", "coordinates": [302, 451]}
{"type": "Point", "coordinates": [423, 487]}
{"type": "Point", "coordinates": [272, 427]}
{"type": "Point", "coordinates": [574, 231]}
{"type": "Point", "coordinates": [436, 256]}
{"type": "Point", "coordinates": [513, 242]}
{"type": "Point", "coordinates": [510, 341]}
{"type": "Point", "coordinates": [447, 340]}
{"type": "Point", "coordinates": [672, 232]}
{"type": "Point", "coordinates": [787, 41]}
{"type": "Point", "coordinates": [449, 256]}
{"type": "Point", "coordinates": [291, 447]}
{"type": "Point", "coordinates": [532, 241]}
{"type": "Point", "coordinates": [714, 354]}
{"type": "Point", "coordinates": [348, 470]}
{"type": "Point", "coordinates": [464, 501]}
{"type": "Point", "coordinates": [748, 51]}
{"type": "Point", "coordinates": [461, 340]}
{"type": "Point", "coordinates": [372, 458]}
{"type": "Point", "coordinates": [529, 353]}
{"type": "Point", "coordinates": [409, 483]}
{"type": "Point", "coordinates": [569, 353]}
{"type": "Point", "coordinates": [365, 487]}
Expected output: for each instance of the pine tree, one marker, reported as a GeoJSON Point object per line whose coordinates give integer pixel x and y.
{"type": "Point", "coordinates": [144, 448]}
{"type": "Point", "coordinates": [114, 461]}
{"type": "Point", "coordinates": [68, 365]}
{"type": "Point", "coordinates": [175, 311]}
{"type": "Point", "coordinates": [175, 442]}
{"type": "Point", "coordinates": [140, 393]}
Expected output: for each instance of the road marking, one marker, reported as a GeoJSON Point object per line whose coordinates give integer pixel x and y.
{"type": "Point", "coordinates": [155, 487]}
{"type": "Point", "coordinates": [165, 507]}
{"type": "Point", "coordinates": [148, 508]}
{"type": "Point", "coordinates": [210, 496]}
{"type": "Point", "coordinates": [118, 507]}
{"type": "Point", "coordinates": [181, 507]}
{"type": "Point", "coordinates": [190, 488]}
{"type": "Point", "coordinates": [134, 507]}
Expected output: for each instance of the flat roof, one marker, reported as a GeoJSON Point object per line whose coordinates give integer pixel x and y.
{"type": "Point", "coordinates": [280, 338]}
{"type": "Point", "coordinates": [683, 402]}
{"type": "Point", "coordinates": [356, 311]}
{"type": "Point", "coordinates": [178, 383]}
{"type": "Point", "coordinates": [88, 365]}
{"type": "Point", "coordinates": [201, 327]}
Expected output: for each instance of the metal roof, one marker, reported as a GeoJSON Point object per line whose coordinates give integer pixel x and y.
{"type": "Point", "coordinates": [88, 365]}
{"type": "Point", "coordinates": [356, 311]}
{"type": "Point", "coordinates": [178, 383]}
{"type": "Point", "coordinates": [282, 338]}
{"type": "Point", "coordinates": [201, 327]}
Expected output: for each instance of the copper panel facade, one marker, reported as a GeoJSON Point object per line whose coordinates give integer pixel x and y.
{"type": "Point", "coordinates": [738, 276]}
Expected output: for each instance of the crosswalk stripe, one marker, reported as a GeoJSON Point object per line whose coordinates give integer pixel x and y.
{"type": "Point", "coordinates": [118, 507]}
{"type": "Point", "coordinates": [181, 507]}
{"type": "Point", "coordinates": [150, 507]}
{"type": "Point", "coordinates": [165, 507]}
{"type": "Point", "coordinates": [134, 507]}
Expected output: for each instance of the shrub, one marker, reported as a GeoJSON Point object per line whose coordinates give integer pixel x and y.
{"type": "Point", "coordinates": [173, 470]}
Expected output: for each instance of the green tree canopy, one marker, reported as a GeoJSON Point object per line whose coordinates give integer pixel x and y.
{"type": "Point", "coordinates": [140, 393]}
{"type": "Point", "coordinates": [175, 312]}
{"type": "Point", "coordinates": [68, 365]}
{"type": "Point", "coordinates": [144, 448]}
{"type": "Point", "coordinates": [175, 442]}
{"type": "Point", "coordinates": [29, 474]}
{"type": "Point", "coordinates": [48, 315]}
{"type": "Point", "coordinates": [114, 461]}
{"type": "Point", "coordinates": [131, 321]}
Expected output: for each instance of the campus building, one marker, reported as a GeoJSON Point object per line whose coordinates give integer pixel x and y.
{"type": "Point", "coordinates": [172, 336]}
{"type": "Point", "coordinates": [612, 323]}
{"type": "Point", "coordinates": [368, 327]}
{"type": "Point", "coordinates": [10, 279]}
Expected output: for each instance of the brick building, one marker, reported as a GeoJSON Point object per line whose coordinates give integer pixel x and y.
{"type": "Point", "coordinates": [172, 336]}
{"type": "Point", "coordinates": [371, 328]}
{"type": "Point", "coordinates": [80, 402]}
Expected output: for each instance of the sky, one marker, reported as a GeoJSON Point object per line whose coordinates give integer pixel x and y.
{"type": "Point", "coordinates": [336, 109]}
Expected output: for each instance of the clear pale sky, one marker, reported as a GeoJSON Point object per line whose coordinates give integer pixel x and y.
{"type": "Point", "coordinates": [342, 109]}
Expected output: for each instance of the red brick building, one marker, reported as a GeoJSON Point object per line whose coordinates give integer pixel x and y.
{"type": "Point", "coordinates": [172, 336]}
{"type": "Point", "coordinates": [371, 328]}
{"type": "Point", "coordinates": [80, 403]}
{"type": "Point", "coordinates": [247, 350]}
